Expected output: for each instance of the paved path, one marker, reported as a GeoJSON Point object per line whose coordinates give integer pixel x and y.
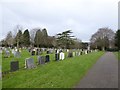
{"type": "Point", "coordinates": [104, 74]}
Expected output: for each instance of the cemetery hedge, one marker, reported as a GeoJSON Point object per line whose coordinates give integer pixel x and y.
{"type": "Point", "coordinates": [55, 74]}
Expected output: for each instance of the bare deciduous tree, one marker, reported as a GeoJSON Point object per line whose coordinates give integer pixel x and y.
{"type": "Point", "coordinates": [103, 38]}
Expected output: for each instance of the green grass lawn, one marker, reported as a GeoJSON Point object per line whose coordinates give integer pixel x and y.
{"type": "Point", "coordinates": [61, 74]}
{"type": "Point", "coordinates": [117, 54]}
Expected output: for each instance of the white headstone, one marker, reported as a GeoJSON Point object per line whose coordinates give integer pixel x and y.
{"type": "Point", "coordinates": [62, 56]}
{"type": "Point", "coordinates": [85, 51]}
{"type": "Point", "coordinates": [73, 54]}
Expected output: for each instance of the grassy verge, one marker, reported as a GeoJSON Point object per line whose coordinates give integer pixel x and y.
{"type": "Point", "coordinates": [61, 74]}
{"type": "Point", "coordinates": [117, 54]}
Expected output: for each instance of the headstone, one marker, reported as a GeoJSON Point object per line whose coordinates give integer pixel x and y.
{"type": "Point", "coordinates": [37, 52]}
{"type": "Point", "coordinates": [13, 51]}
{"type": "Point", "coordinates": [16, 54]}
{"type": "Point", "coordinates": [85, 51]}
{"type": "Point", "coordinates": [0, 51]}
{"type": "Point", "coordinates": [78, 53]}
{"type": "Point", "coordinates": [62, 56]}
{"type": "Point", "coordinates": [14, 65]}
{"type": "Point", "coordinates": [57, 56]}
{"type": "Point", "coordinates": [81, 53]}
{"type": "Point", "coordinates": [47, 58]}
{"type": "Point", "coordinates": [29, 63]}
{"type": "Point", "coordinates": [33, 53]}
{"type": "Point", "coordinates": [41, 60]}
{"type": "Point", "coordinates": [70, 54]}
{"type": "Point", "coordinates": [73, 54]}
{"type": "Point", "coordinates": [7, 53]}
{"type": "Point", "coordinates": [48, 52]}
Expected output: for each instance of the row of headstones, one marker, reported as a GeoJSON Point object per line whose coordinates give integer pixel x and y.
{"type": "Point", "coordinates": [16, 53]}
{"type": "Point", "coordinates": [39, 52]}
{"type": "Point", "coordinates": [29, 62]}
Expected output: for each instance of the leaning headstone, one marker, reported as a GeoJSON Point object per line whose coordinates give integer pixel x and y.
{"type": "Point", "coordinates": [41, 60]}
{"type": "Point", "coordinates": [47, 58]}
{"type": "Point", "coordinates": [14, 66]}
{"type": "Point", "coordinates": [57, 56]}
{"type": "Point", "coordinates": [29, 63]}
{"type": "Point", "coordinates": [62, 56]}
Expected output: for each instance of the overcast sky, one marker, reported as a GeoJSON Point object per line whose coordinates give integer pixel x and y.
{"type": "Point", "coordinates": [83, 17]}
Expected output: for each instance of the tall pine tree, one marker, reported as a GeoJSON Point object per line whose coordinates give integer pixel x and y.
{"type": "Point", "coordinates": [26, 38]}
{"type": "Point", "coordinates": [18, 39]}
{"type": "Point", "coordinates": [38, 40]}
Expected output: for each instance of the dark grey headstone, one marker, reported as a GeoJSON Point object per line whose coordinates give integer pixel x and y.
{"type": "Point", "coordinates": [29, 63]}
{"type": "Point", "coordinates": [48, 52]}
{"type": "Point", "coordinates": [57, 56]}
{"type": "Point", "coordinates": [47, 58]}
{"type": "Point", "coordinates": [33, 53]}
{"type": "Point", "coordinates": [41, 59]}
{"type": "Point", "coordinates": [14, 65]}
{"type": "Point", "coordinates": [70, 54]}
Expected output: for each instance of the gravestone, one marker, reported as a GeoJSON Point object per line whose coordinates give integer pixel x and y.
{"type": "Point", "coordinates": [57, 56]}
{"type": "Point", "coordinates": [73, 54]}
{"type": "Point", "coordinates": [48, 52]}
{"type": "Point", "coordinates": [62, 56]}
{"type": "Point", "coordinates": [16, 54]}
{"type": "Point", "coordinates": [70, 54]}
{"type": "Point", "coordinates": [85, 51]}
{"type": "Point", "coordinates": [7, 54]}
{"type": "Point", "coordinates": [37, 52]}
{"type": "Point", "coordinates": [29, 63]}
{"type": "Point", "coordinates": [78, 53]}
{"type": "Point", "coordinates": [41, 59]}
{"type": "Point", "coordinates": [14, 66]}
{"type": "Point", "coordinates": [32, 53]}
{"type": "Point", "coordinates": [47, 59]}
{"type": "Point", "coordinates": [13, 51]}
{"type": "Point", "coordinates": [81, 53]}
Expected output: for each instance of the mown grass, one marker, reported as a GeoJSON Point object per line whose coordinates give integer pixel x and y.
{"type": "Point", "coordinates": [61, 74]}
{"type": "Point", "coordinates": [117, 54]}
